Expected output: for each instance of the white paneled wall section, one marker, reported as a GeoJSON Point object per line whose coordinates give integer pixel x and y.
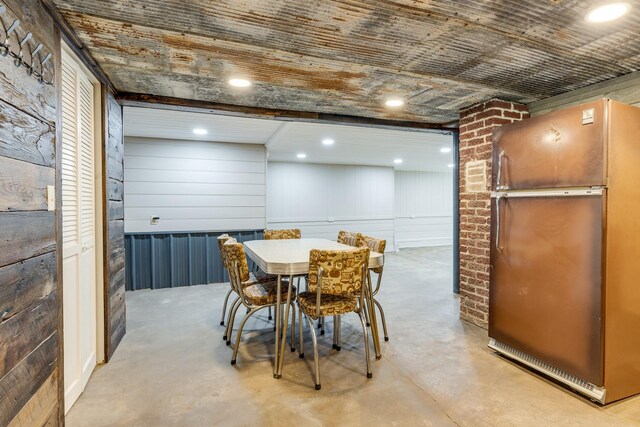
{"type": "Point", "coordinates": [207, 186]}
{"type": "Point", "coordinates": [423, 209]}
{"type": "Point", "coordinates": [324, 199]}
{"type": "Point", "coordinates": [193, 186]}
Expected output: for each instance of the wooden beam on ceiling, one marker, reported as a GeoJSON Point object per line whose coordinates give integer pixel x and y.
{"type": "Point", "coordinates": [77, 46]}
{"type": "Point", "coordinates": [190, 105]}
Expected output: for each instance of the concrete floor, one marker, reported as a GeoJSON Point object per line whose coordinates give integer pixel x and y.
{"type": "Point", "coordinates": [173, 368]}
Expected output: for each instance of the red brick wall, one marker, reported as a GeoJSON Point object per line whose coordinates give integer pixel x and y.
{"type": "Point", "coordinates": [476, 125]}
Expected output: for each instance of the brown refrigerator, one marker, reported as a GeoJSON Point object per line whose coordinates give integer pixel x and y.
{"type": "Point", "coordinates": [564, 294]}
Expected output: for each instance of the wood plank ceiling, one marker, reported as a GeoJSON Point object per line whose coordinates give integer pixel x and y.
{"type": "Point", "coordinates": [347, 56]}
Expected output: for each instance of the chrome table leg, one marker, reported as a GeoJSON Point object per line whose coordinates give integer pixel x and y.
{"type": "Point", "coordinates": [277, 327]}
{"type": "Point", "coordinates": [284, 328]}
{"type": "Point", "coordinates": [371, 309]}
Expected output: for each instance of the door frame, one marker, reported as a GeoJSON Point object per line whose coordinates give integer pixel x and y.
{"type": "Point", "coordinates": [98, 207]}
{"type": "Point", "coordinates": [456, 211]}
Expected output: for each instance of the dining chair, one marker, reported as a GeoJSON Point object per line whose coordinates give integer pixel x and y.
{"type": "Point", "coordinates": [346, 238]}
{"type": "Point", "coordinates": [377, 245]}
{"type": "Point", "coordinates": [251, 294]}
{"type": "Point", "coordinates": [291, 233]}
{"type": "Point", "coordinates": [221, 241]}
{"type": "Point", "coordinates": [337, 280]}
{"type": "Point", "coordinates": [350, 238]}
{"type": "Point", "coordinates": [258, 276]}
{"type": "Point", "coordinates": [285, 234]}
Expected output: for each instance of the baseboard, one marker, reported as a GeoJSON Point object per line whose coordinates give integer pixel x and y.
{"type": "Point", "coordinates": [418, 243]}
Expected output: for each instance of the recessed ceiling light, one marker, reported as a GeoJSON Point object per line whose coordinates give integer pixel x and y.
{"type": "Point", "coordinates": [301, 156]}
{"type": "Point", "coordinates": [200, 131]}
{"type": "Point", "coordinates": [240, 82]}
{"type": "Point", "coordinates": [450, 165]}
{"type": "Point", "coordinates": [328, 141]}
{"type": "Point", "coordinates": [394, 102]}
{"type": "Point", "coordinates": [397, 161]}
{"type": "Point", "coordinates": [445, 149]}
{"type": "Point", "coordinates": [607, 12]}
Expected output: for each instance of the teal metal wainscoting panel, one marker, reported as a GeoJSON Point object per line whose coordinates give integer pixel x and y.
{"type": "Point", "coordinates": [169, 260]}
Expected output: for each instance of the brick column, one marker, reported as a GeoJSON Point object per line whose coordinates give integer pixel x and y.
{"type": "Point", "coordinates": [476, 126]}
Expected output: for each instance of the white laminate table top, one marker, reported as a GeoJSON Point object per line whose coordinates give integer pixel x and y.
{"type": "Point", "coordinates": [291, 256]}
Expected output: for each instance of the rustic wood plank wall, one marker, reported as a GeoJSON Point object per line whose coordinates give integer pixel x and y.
{"type": "Point", "coordinates": [114, 256]}
{"type": "Point", "coordinates": [30, 285]}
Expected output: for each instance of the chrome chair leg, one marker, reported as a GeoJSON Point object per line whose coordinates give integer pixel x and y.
{"type": "Point", "coordinates": [315, 352]}
{"type": "Point", "coordinates": [231, 309]}
{"type": "Point", "coordinates": [300, 332]}
{"type": "Point", "coordinates": [339, 328]}
{"type": "Point", "coordinates": [366, 345]}
{"type": "Point", "coordinates": [231, 321]}
{"type": "Point", "coordinates": [384, 322]}
{"type": "Point", "coordinates": [293, 327]}
{"type": "Point", "coordinates": [335, 333]}
{"type": "Point", "coordinates": [224, 306]}
{"type": "Point", "coordinates": [239, 336]}
{"type": "Point", "coordinates": [366, 315]}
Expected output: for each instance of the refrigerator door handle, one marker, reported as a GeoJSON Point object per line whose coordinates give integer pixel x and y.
{"type": "Point", "coordinates": [498, 186]}
{"type": "Point", "coordinates": [498, 248]}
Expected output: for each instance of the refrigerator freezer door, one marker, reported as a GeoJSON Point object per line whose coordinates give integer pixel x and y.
{"type": "Point", "coordinates": [546, 280]}
{"type": "Point", "coordinates": [562, 149]}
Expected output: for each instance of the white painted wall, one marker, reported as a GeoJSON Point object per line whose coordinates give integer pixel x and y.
{"type": "Point", "coordinates": [209, 186]}
{"type": "Point", "coordinates": [306, 196]}
{"type": "Point", "coordinates": [423, 209]}
{"type": "Point", "coordinates": [193, 185]}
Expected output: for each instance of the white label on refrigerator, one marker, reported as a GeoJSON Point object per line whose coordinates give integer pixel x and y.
{"type": "Point", "coordinates": [587, 116]}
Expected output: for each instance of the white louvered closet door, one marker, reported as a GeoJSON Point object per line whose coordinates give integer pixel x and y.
{"type": "Point", "coordinates": [78, 228]}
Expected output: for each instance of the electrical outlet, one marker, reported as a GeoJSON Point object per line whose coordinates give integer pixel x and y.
{"type": "Point", "coordinates": [155, 220]}
{"type": "Point", "coordinates": [51, 198]}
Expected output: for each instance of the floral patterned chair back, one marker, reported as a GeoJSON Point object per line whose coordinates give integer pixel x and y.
{"type": "Point", "coordinates": [349, 238]}
{"type": "Point", "coordinates": [234, 254]}
{"type": "Point", "coordinates": [376, 245]}
{"type": "Point", "coordinates": [291, 233]}
{"type": "Point", "coordinates": [342, 271]}
{"type": "Point", "coordinates": [222, 239]}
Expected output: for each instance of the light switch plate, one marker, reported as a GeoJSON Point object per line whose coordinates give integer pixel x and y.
{"type": "Point", "coordinates": [51, 198]}
{"type": "Point", "coordinates": [475, 174]}
{"type": "Point", "coordinates": [587, 116]}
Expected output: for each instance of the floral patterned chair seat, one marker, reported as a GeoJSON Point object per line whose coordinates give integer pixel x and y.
{"type": "Point", "coordinates": [330, 305]}
{"type": "Point", "coordinates": [266, 293]}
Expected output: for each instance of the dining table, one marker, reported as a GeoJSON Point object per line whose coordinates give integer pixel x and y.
{"type": "Point", "coordinates": [290, 258]}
